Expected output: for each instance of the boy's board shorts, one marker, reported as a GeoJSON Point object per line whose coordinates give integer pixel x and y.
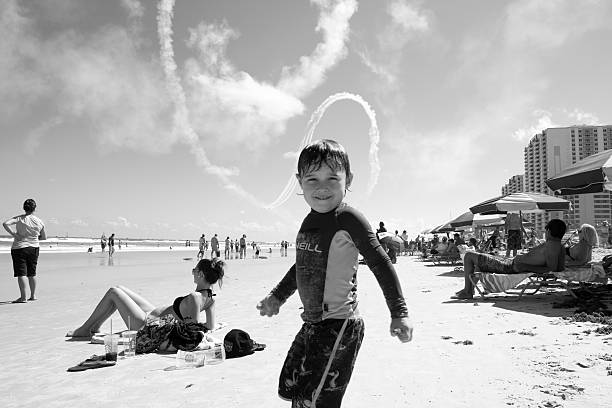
{"type": "Point", "coordinates": [320, 362]}
{"type": "Point", "coordinates": [494, 264]}
{"type": "Point", "coordinates": [25, 261]}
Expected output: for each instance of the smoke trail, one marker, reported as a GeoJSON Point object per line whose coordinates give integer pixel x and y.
{"type": "Point", "coordinates": [312, 125]}
{"type": "Point", "coordinates": [181, 115]}
{"type": "Point", "coordinates": [184, 129]}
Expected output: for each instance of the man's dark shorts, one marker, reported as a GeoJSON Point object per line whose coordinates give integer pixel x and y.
{"type": "Point", "coordinates": [495, 264]}
{"type": "Point", "coordinates": [25, 261]}
{"type": "Point", "coordinates": [513, 240]}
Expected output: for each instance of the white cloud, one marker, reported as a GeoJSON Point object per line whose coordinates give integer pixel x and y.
{"type": "Point", "coordinates": [79, 223]}
{"type": "Point", "coordinates": [121, 222]}
{"type": "Point", "coordinates": [408, 21]}
{"type": "Point", "coordinates": [544, 121]}
{"type": "Point", "coordinates": [408, 16]}
{"type": "Point", "coordinates": [33, 138]}
{"type": "Point", "coordinates": [53, 221]}
{"type": "Point", "coordinates": [101, 77]}
{"type": "Point", "coordinates": [551, 23]}
{"type": "Point", "coordinates": [254, 227]}
{"type": "Point", "coordinates": [334, 25]}
{"type": "Point", "coordinates": [134, 7]}
{"type": "Point", "coordinates": [583, 118]}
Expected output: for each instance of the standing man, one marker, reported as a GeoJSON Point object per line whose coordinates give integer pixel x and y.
{"type": "Point", "coordinates": [214, 247]}
{"type": "Point", "coordinates": [111, 245]}
{"type": "Point", "coordinates": [226, 250]}
{"type": "Point", "coordinates": [29, 229]}
{"type": "Point", "coordinates": [243, 246]}
{"type": "Point", "coordinates": [202, 243]}
{"type": "Point", "coordinates": [514, 232]}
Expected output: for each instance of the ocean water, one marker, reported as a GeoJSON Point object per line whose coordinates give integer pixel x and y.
{"type": "Point", "coordinates": [80, 244]}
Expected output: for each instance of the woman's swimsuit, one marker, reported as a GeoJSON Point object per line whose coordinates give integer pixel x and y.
{"type": "Point", "coordinates": [177, 302]}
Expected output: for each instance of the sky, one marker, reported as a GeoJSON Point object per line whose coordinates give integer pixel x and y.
{"type": "Point", "coordinates": [156, 119]}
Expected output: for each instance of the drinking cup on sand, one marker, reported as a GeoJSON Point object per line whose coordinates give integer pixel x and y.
{"type": "Point", "coordinates": [129, 343]}
{"type": "Point", "coordinates": [215, 355]}
{"type": "Point", "coordinates": [111, 346]}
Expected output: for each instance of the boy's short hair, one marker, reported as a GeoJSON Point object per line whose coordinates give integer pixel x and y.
{"type": "Point", "coordinates": [322, 151]}
{"type": "Point", "coordinates": [29, 205]}
{"type": "Point", "coordinates": [556, 227]}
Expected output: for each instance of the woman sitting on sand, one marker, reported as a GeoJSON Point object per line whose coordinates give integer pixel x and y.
{"type": "Point", "coordinates": [581, 252]}
{"type": "Point", "coordinates": [137, 312]}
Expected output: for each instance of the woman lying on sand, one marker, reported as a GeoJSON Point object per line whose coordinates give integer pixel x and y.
{"type": "Point", "coordinates": [581, 252]}
{"type": "Point", "coordinates": [135, 310]}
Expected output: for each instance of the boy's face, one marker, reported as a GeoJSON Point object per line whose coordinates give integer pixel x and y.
{"type": "Point", "coordinates": [324, 188]}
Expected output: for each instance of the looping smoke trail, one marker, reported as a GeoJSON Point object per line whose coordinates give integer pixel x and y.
{"type": "Point", "coordinates": [183, 127]}
{"type": "Point", "coordinates": [312, 125]}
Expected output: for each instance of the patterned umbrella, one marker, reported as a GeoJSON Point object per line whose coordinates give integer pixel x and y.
{"type": "Point", "coordinates": [525, 202]}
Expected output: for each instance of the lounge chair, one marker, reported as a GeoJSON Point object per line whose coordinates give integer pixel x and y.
{"type": "Point", "coordinates": [486, 283]}
{"type": "Point", "coordinates": [446, 258]}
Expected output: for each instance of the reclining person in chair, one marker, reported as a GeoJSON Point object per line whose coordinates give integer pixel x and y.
{"type": "Point", "coordinates": [547, 257]}
{"type": "Point", "coordinates": [581, 252]}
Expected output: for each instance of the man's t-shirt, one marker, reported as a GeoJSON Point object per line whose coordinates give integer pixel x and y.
{"type": "Point", "coordinates": [28, 228]}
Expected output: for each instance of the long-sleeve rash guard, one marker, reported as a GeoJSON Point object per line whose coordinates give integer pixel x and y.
{"type": "Point", "coordinates": [325, 271]}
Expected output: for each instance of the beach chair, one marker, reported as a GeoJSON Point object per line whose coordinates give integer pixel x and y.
{"type": "Point", "coordinates": [486, 283]}
{"type": "Point", "coordinates": [446, 259]}
{"type": "Point", "coordinates": [568, 279]}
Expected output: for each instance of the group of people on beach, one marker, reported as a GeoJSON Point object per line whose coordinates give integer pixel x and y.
{"type": "Point", "coordinates": [332, 236]}
{"type": "Point", "coordinates": [320, 360]}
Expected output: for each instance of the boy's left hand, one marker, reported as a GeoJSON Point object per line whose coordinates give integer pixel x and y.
{"type": "Point", "coordinates": [402, 328]}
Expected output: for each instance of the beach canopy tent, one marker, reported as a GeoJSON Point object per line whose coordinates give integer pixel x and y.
{"type": "Point", "coordinates": [525, 202]}
{"type": "Point", "coordinates": [593, 174]}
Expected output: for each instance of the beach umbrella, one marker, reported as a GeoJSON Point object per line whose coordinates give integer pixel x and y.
{"type": "Point", "coordinates": [464, 220]}
{"type": "Point", "coordinates": [446, 227]}
{"type": "Point", "coordinates": [592, 174]}
{"type": "Point", "coordinates": [525, 202]}
{"type": "Point", "coordinates": [390, 239]}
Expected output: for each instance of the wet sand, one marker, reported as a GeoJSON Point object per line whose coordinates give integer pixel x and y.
{"type": "Point", "coordinates": [496, 352]}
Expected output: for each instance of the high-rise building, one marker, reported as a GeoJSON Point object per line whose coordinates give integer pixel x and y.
{"type": "Point", "coordinates": [514, 185]}
{"type": "Point", "coordinates": [554, 150]}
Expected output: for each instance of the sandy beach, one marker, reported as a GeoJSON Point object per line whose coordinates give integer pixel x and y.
{"type": "Point", "coordinates": [496, 352]}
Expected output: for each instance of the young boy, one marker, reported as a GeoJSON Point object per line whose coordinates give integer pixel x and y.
{"type": "Point", "coordinates": [320, 361]}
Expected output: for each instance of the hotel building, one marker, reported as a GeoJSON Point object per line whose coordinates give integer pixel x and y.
{"type": "Point", "coordinates": [514, 185]}
{"type": "Point", "coordinates": [554, 150]}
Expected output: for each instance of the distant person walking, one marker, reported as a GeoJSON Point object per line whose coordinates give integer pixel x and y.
{"type": "Point", "coordinates": [111, 245]}
{"type": "Point", "coordinates": [202, 244]}
{"type": "Point", "coordinates": [243, 246]}
{"type": "Point", "coordinates": [214, 247]}
{"type": "Point", "coordinates": [226, 250]}
{"type": "Point", "coordinates": [103, 242]}
{"type": "Point", "coordinates": [29, 229]}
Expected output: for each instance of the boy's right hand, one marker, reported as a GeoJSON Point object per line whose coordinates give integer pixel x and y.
{"type": "Point", "coordinates": [269, 306]}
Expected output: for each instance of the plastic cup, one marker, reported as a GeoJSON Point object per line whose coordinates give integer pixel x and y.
{"type": "Point", "coordinates": [111, 346]}
{"type": "Point", "coordinates": [129, 343]}
{"type": "Point", "coordinates": [215, 355]}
